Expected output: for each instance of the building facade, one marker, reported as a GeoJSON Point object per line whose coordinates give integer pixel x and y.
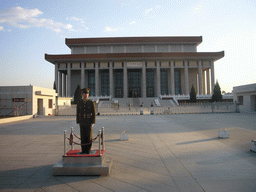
{"type": "Point", "coordinates": [27, 100]}
{"type": "Point", "coordinates": [245, 97]}
{"type": "Point", "coordinates": [128, 67]}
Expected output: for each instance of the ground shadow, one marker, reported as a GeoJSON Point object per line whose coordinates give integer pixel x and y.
{"type": "Point", "coordinates": [111, 140]}
{"type": "Point", "coordinates": [36, 177]}
{"type": "Point", "coordinates": [198, 141]}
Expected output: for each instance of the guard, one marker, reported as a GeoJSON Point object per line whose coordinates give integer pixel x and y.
{"type": "Point", "coordinates": [86, 118]}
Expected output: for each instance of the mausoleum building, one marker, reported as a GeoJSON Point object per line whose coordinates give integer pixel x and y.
{"type": "Point", "coordinates": [128, 67]}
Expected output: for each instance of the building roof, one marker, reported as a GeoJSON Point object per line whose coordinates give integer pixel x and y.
{"type": "Point", "coordinates": [245, 88]}
{"type": "Point", "coordinates": [133, 56]}
{"type": "Point", "coordinates": [134, 40]}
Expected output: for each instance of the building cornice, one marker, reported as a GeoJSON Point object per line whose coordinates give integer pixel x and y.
{"type": "Point", "coordinates": [134, 40]}
{"type": "Point", "coordinates": [134, 56]}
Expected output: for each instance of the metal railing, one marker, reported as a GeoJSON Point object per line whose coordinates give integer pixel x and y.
{"type": "Point", "coordinates": [100, 136]}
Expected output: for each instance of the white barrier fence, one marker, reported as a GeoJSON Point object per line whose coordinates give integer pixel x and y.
{"type": "Point", "coordinates": [183, 108]}
{"type": "Point", "coordinates": [198, 97]}
{"type": "Point", "coordinates": [66, 110]}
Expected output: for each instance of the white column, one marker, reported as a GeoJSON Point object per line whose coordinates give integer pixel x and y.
{"type": "Point", "coordinates": [111, 80]}
{"type": "Point", "coordinates": [182, 48]}
{"type": "Point", "coordinates": [200, 77]}
{"type": "Point", "coordinates": [158, 83]}
{"type": "Point", "coordinates": [97, 79]}
{"type": "Point", "coordinates": [203, 81]}
{"type": "Point", "coordinates": [186, 79]}
{"type": "Point", "coordinates": [212, 76]}
{"type": "Point", "coordinates": [125, 81]}
{"type": "Point", "coordinates": [60, 84]}
{"type": "Point", "coordinates": [64, 87]}
{"type": "Point", "coordinates": [172, 79]}
{"type": "Point", "coordinates": [144, 85]}
{"type": "Point", "coordinates": [56, 78]}
{"type": "Point", "coordinates": [86, 79]}
{"type": "Point", "coordinates": [208, 81]}
{"type": "Point", "coordinates": [82, 76]}
{"type": "Point", "coordinates": [69, 80]}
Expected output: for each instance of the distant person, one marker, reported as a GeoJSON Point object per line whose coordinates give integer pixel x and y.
{"type": "Point", "coordinates": [86, 118]}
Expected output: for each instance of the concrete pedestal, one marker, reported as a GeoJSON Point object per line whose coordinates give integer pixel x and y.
{"type": "Point", "coordinates": [83, 164]}
{"type": "Point", "coordinates": [223, 134]}
{"type": "Point", "coordinates": [253, 146]}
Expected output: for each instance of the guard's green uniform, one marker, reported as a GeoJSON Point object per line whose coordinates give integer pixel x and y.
{"type": "Point", "coordinates": [85, 116]}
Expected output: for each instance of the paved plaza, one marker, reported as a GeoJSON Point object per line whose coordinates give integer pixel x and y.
{"type": "Point", "coordinates": [164, 153]}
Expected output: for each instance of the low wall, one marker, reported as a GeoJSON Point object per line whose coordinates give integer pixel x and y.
{"type": "Point", "coordinates": [13, 119]}
{"type": "Point", "coordinates": [183, 108]}
{"type": "Point", "coordinates": [66, 110]}
{"type": "Point", "coordinates": [195, 108]}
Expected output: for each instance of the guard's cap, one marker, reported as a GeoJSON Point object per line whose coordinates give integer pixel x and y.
{"type": "Point", "coordinates": [85, 90]}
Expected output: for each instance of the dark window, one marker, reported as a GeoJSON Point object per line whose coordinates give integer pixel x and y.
{"type": "Point", "coordinates": [134, 83]}
{"type": "Point", "coordinates": [18, 99]}
{"type": "Point", "coordinates": [104, 82]}
{"type": "Point", "coordinates": [91, 82]}
{"type": "Point", "coordinates": [150, 79]}
{"type": "Point", "coordinates": [50, 103]}
{"type": "Point", "coordinates": [240, 100]}
{"type": "Point", "coordinates": [118, 74]}
{"type": "Point", "coordinates": [164, 81]}
{"type": "Point", "coordinates": [177, 81]}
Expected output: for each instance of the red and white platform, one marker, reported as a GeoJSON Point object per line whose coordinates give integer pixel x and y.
{"type": "Point", "coordinates": [74, 163]}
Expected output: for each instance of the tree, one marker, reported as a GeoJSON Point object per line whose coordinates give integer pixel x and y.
{"type": "Point", "coordinates": [193, 94]}
{"type": "Point", "coordinates": [54, 86]}
{"type": "Point", "coordinates": [77, 95]}
{"type": "Point", "coordinates": [217, 96]}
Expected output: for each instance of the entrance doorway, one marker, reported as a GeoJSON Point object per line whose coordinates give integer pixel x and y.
{"type": "Point", "coordinates": [40, 108]}
{"type": "Point", "coordinates": [150, 78]}
{"type": "Point", "coordinates": [134, 83]}
{"type": "Point", "coordinates": [118, 74]}
{"type": "Point", "coordinates": [119, 92]}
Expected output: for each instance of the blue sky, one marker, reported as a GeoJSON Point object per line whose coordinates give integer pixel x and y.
{"type": "Point", "coordinates": [29, 29]}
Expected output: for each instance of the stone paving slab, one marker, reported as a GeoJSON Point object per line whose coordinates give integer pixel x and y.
{"type": "Point", "coordinates": [163, 153]}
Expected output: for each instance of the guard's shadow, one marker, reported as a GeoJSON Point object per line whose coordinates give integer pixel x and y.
{"type": "Point", "coordinates": [112, 140]}
{"type": "Point", "coordinates": [198, 141]}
